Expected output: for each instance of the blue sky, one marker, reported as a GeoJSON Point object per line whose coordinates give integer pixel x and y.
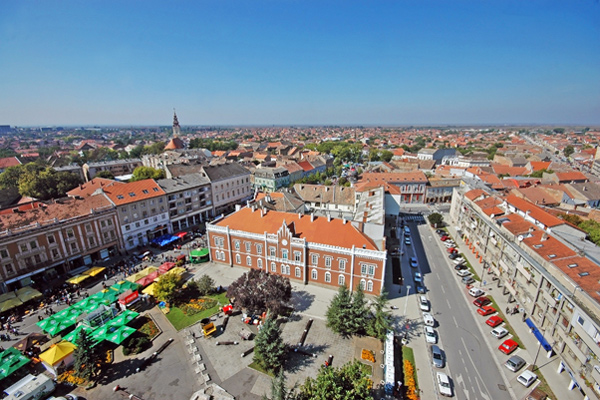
{"type": "Point", "coordinates": [299, 62]}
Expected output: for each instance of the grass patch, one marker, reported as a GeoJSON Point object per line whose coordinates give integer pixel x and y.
{"type": "Point", "coordinates": [180, 320]}
{"type": "Point", "coordinates": [471, 270]}
{"type": "Point", "coordinates": [544, 385]}
{"type": "Point", "coordinates": [254, 365]}
{"type": "Point", "coordinates": [407, 354]}
{"type": "Point", "coordinates": [506, 324]}
{"type": "Point", "coordinates": [367, 369]}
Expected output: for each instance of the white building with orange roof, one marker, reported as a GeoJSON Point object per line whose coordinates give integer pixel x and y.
{"type": "Point", "coordinates": [305, 248]}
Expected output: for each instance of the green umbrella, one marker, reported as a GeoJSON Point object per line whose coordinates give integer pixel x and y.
{"type": "Point", "coordinates": [56, 325]}
{"type": "Point", "coordinates": [10, 361]}
{"type": "Point", "coordinates": [123, 318]}
{"type": "Point", "coordinates": [109, 295]}
{"type": "Point", "coordinates": [72, 337]}
{"type": "Point", "coordinates": [123, 286]}
{"type": "Point", "coordinates": [10, 304]}
{"type": "Point", "coordinates": [46, 322]}
{"type": "Point", "coordinates": [117, 336]}
{"type": "Point", "coordinates": [101, 333]}
{"type": "Point", "coordinates": [68, 313]}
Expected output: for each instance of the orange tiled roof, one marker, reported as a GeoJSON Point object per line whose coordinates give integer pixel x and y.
{"type": "Point", "coordinates": [88, 188]}
{"type": "Point", "coordinates": [535, 212]}
{"type": "Point", "coordinates": [548, 247]}
{"type": "Point", "coordinates": [475, 193]}
{"type": "Point", "coordinates": [364, 186]}
{"type": "Point", "coordinates": [412, 176]}
{"type": "Point", "coordinates": [500, 169]}
{"type": "Point", "coordinates": [571, 176]}
{"type": "Point", "coordinates": [133, 191]}
{"type": "Point", "coordinates": [9, 162]}
{"type": "Point", "coordinates": [539, 165]}
{"type": "Point", "coordinates": [334, 232]}
{"type": "Point", "coordinates": [574, 267]}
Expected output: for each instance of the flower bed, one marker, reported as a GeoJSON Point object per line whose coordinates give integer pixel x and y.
{"type": "Point", "coordinates": [149, 329]}
{"type": "Point", "coordinates": [69, 377]}
{"type": "Point", "coordinates": [195, 306]}
{"type": "Point", "coordinates": [409, 381]}
{"type": "Point", "coordinates": [367, 355]}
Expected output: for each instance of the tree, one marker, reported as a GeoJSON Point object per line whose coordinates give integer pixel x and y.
{"type": "Point", "coordinates": [350, 382]}
{"type": "Point", "coordinates": [166, 287]}
{"type": "Point", "coordinates": [206, 285]}
{"type": "Point", "coordinates": [381, 321]}
{"type": "Point", "coordinates": [436, 219]}
{"type": "Point", "coordinates": [141, 173]}
{"type": "Point", "coordinates": [106, 174]}
{"type": "Point", "coordinates": [258, 291]}
{"type": "Point", "coordinates": [357, 320]}
{"type": "Point", "coordinates": [85, 356]}
{"type": "Point", "coordinates": [269, 349]}
{"type": "Point", "coordinates": [47, 184]}
{"type": "Point", "coordinates": [338, 312]}
{"type": "Point", "coordinates": [568, 150]}
{"type": "Point", "coordinates": [279, 390]}
{"type": "Point", "coordinates": [386, 155]}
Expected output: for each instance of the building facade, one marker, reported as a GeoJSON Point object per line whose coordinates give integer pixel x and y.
{"type": "Point", "coordinates": [305, 248]}
{"type": "Point", "coordinates": [189, 199]}
{"type": "Point", "coordinates": [411, 185]}
{"type": "Point", "coordinates": [271, 179]}
{"type": "Point", "coordinates": [230, 185]}
{"type": "Point", "coordinates": [116, 167]}
{"type": "Point", "coordinates": [55, 239]}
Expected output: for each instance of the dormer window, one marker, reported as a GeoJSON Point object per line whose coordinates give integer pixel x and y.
{"type": "Point", "coordinates": [551, 255]}
{"type": "Point", "coordinates": [145, 191]}
{"type": "Point", "coordinates": [155, 189]}
{"type": "Point", "coordinates": [537, 246]}
{"type": "Point", "coordinates": [572, 265]}
{"type": "Point", "coordinates": [582, 274]}
{"type": "Point", "coordinates": [131, 194]}
{"type": "Point", "coordinates": [120, 197]}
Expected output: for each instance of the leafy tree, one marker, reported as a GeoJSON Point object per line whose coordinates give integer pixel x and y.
{"type": "Point", "coordinates": [350, 382]}
{"type": "Point", "coordinates": [105, 174]}
{"type": "Point", "coordinates": [572, 218]}
{"type": "Point", "coordinates": [269, 349]}
{"type": "Point", "coordinates": [339, 311]}
{"type": "Point", "coordinates": [558, 130]}
{"type": "Point", "coordinates": [47, 184]}
{"type": "Point", "coordinates": [166, 287]}
{"type": "Point", "coordinates": [381, 320]}
{"type": "Point", "coordinates": [568, 150]}
{"type": "Point", "coordinates": [85, 356]}
{"type": "Point", "coordinates": [436, 219]}
{"type": "Point", "coordinates": [279, 390]}
{"type": "Point", "coordinates": [386, 155]}
{"type": "Point", "coordinates": [258, 291]}
{"type": "Point", "coordinates": [206, 285]}
{"type": "Point", "coordinates": [540, 173]}
{"type": "Point", "coordinates": [357, 321]}
{"type": "Point", "coordinates": [141, 173]}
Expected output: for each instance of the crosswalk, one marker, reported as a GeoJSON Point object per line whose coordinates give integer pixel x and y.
{"type": "Point", "coordinates": [413, 218]}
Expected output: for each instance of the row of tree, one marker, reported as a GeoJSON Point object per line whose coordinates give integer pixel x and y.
{"type": "Point", "coordinates": [38, 181]}
{"type": "Point", "coordinates": [213, 145]}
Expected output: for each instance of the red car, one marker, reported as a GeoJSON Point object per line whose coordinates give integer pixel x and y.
{"type": "Point", "coordinates": [452, 250]}
{"type": "Point", "coordinates": [508, 346]}
{"type": "Point", "coordinates": [482, 301]}
{"type": "Point", "coordinates": [494, 321]}
{"type": "Point", "coordinates": [444, 238]}
{"type": "Point", "coordinates": [486, 310]}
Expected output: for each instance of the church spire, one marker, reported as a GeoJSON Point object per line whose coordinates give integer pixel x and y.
{"type": "Point", "coordinates": [176, 127]}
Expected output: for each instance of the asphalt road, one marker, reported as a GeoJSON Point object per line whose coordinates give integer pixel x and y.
{"type": "Point", "coordinates": [473, 369]}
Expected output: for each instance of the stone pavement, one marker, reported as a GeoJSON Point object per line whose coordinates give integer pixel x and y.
{"type": "Point", "coordinates": [548, 367]}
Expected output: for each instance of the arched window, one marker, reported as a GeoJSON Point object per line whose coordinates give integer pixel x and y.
{"type": "Point", "coordinates": [313, 274]}
{"type": "Point", "coordinates": [222, 255]}
{"type": "Point", "coordinates": [341, 280]}
{"type": "Point", "coordinates": [362, 284]}
{"type": "Point", "coordinates": [273, 267]}
{"type": "Point", "coordinates": [327, 277]}
{"type": "Point", "coordinates": [282, 269]}
{"type": "Point", "coordinates": [369, 286]}
{"type": "Point", "coordinates": [249, 260]}
{"type": "Point", "coordinates": [259, 263]}
{"type": "Point", "coordinates": [298, 272]}
{"type": "Point", "coordinates": [238, 259]}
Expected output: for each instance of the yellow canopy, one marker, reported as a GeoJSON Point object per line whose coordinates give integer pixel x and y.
{"type": "Point", "coordinates": [77, 279]}
{"type": "Point", "coordinates": [6, 296]}
{"type": "Point", "coordinates": [150, 289]}
{"type": "Point", "coordinates": [177, 271]}
{"type": "Point", "coordinates": [139, 275]}
{"type": "Point", "coordinates": [93, 271]}
{"type": "Point", "coordinates": [57, 352]}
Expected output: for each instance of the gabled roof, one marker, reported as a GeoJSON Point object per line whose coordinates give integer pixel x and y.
{"type": "Point", "coordinates": [474, 194]}
{"type": "Point", "coordinates": [583, 272]}
{"type": "Point", "coordinates": [395, 177]}
{"type": "Point", "coordinates": [325, 194]}
{"type": "Point", "coordinates": [539, 165]}
{"type": "Point", "coordinates": [566, 177]}
{"type": "Point", "coordinates": [88, 188]}
{"type": "Point", "coordinates": [534, 211]}
{"type": "Point", "coordinates": [9, 162]}
{"type": "Point", "coordinates": [548, 247]}
{"type": "Point", "coordinates": [174, 143]}
{"type": "Point", "coordinates": [333, 233]}
{"type": "Point", "coordinates": [133, 191]}
{"type": "Point", "coordinates": [224, 171]}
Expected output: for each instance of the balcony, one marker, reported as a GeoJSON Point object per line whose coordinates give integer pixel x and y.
{"type": "Point", "coordinates": [596, 373]}
{"type": "Point", "coordinates": [548, 297]}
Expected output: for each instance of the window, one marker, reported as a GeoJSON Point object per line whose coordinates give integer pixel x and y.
{"type": "Point", "coordinates": [73, 246]}
{"type": "Point", "coordinates": [23, 248]}
{"type": "Point", "coordinates": [314, 259]}
{"type": "Point", "coordinates": [236, 244]}
{"type": "Point", "coordinates": [55, 253]}
{"type": "Point", "coordinates": [273, 267]}
{"type": "Point", "coordinates": [131, 194]}
{"type": "Point", "coordinates": [328, 262]}
{"type": "Point", "coordinates": [363, 269]}
{"type": "Point", "coordinates": [297, 256]}
{"type": "Point", "coordinates": [371, 270]}
{"type": "Point", "coordinates": [314, 275]}
{"type": "Point", "coordinates": [580, 320]}
{"type": "Point", "coordinates": [120, 197]}
{"type": "Point", "coordinates": [238, 259]}
{"type": "Point", "coordinates": [259, 248]}
{"type": "Point", "coordinates": [369, 286]}
{"type": "Point", "coordinates": [70, 233]}
{"type": "Point", "coordinates": [145, 191]}
{"type": "Point", "coordinates": [37, 258]}
{"type": "Point", "coordinates": [9, 269]}
{"type": "Point", "coordinates": [88, 228]}
{"type": "Point", "coordinates": [3, 253]}
{"type": "Point", "coordinates": [248, 247]}
{"type": "Point", "coordinates": [327, 277]}
{"type": "Point", "coordinates": [284, 254]}
{"type": "Point", "coordinates": [91, 241]}
{"type": "Point", "coordinates": [102, 224]}
{"type": "Point", "coordinates": [127, 227]}
{"type": "Point", "coordinates": [282, 269]}
{"type": "Point", "coordinates": [342, 264]}
{"type": "Point", "coordinates": [137, 224]}
{"type": "Point", "coordinates": [272, 251]}
{"type": "Point", "coordinates": [298, 272]}
{"type": "Point", "coordinates": [216, 241]}
{"type": "Point", "coordinates": [155, 189]}
{"type": "Point", "coordinates": [341, 280]}
{"type": "Point", "coordinates": [362, 284]}
{"type": "Point", "coordinates": [248, 260]}
{"type": "Point", "coordinates": [259, 263]}
{"type": "Point", "coordinates": [51, 239]}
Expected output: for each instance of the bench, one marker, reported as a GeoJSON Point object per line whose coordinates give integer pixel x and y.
{"type": "Point", "coordinates": [209, 329]}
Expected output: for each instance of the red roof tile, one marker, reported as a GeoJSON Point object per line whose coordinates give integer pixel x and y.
{"type": "Point", "coordinates": [133, 191]}
{"type": "Point", "coordinates": [535, 212]}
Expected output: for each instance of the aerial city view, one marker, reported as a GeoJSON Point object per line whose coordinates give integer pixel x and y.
{"type": "Point", "coordinates": [298, 200]}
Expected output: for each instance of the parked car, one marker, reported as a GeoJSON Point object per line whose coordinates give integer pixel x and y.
{"type": "Point", "coordinates": [460, 266]}
{"type": "Point", "coordinates": [499, 332]}
{"type": "Point", "coordinates": [514, 363]}
{"type": "Point", "coordinates": [468, 280]}
{"type": "Point", "coordinates": [494, 321]}
{"type": "Point", "coordinates": [482, 301]}
{"type": "Point", "coordinates": [440, 232]}
{"type": "Point", "coordinates": [423, 303]}
{"type": "Point", "coordinates": [454, 256]}
{"type": "Point", "coordinates": [449, 244]}
{"type": "Point", "coordinates": [459, 260]}
{"type": "Point", "coordinates": [443, 383]}
{"type": "Point", "coordinates": [537, 394]}
{"type": "Point", "coordinates": [476, 292]}
{"type": "Point", "coordinates": [463, 272]}
{"type": "Point", "coordinates": [486, 310]}
{"type": "Point", "coordinates": [526, 378]}
{"type": "Point", "coordinates": [508, 346]}
{"type": "Point", "coordinates": [406, 230]}
{"type": "Point", "coordinates": [420, 289]}
{"type": "Point", "coordinates": [437, 357]}
{"type": "Point", "coordinates": [413, 262]}
{"type": "Point", "coordinates": [418, 278]}
{"type": "Point", "coordinates": [430, 335]}
{"type": "Point", "coordinates": [428, 319]}
{"type": "Point", "coordinates": [444, 238]}
{"type": "Point", "coordinates": [452, 250]}
{"type": "Point", "coordinates": [407, 241]}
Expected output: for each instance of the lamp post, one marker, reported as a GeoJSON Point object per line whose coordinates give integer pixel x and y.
{"type": "Point", "coordinates": [405, 339]}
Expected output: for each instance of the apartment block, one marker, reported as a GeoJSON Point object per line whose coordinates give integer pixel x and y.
{"type": "Point", "coordinates": [230, 185]}
{"type": "Point", "coordinates": [190, 201]}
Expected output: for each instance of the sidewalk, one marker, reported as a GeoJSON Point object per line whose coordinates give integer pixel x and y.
{"type": "Point", "coordinates": [547, 366]}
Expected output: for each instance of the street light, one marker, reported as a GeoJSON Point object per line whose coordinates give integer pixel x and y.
{"type": "Point", "coordinates": [405, 339]}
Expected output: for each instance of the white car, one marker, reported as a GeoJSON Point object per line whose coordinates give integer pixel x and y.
{"type": "Point", "coordinates": [463, 272]}
{"type": "Point", "coordinates": [430, 335]}
{"type": "Point", "coordinates": [526, 378]}
{"type": "Point", "coordinates": [476, 292]}
{"type": "Point", "coordinates": [449, 244]}
{"type": "Point", "coordinates": [413, 262]}
{"type": "Point", "coordinates": [443, 383]}
{"type": "Point", "coordinates": [423, 303]}
{"type": "Point", "coordinates": [428, 319]}
{"type": "Point", "coordinates": [499, 332]}
{"type": "Point", "coordinates": [418, 277]}
{"type": "Point", "coordinates": [458, 260]}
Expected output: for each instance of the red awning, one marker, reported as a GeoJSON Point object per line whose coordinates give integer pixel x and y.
{"type": "Point", "coordinates": [147, 280]}
{"type": "Point", "coordinates": [128, 296]}
{"type": "Point", "coordinates": [165, 267]}
{"type": "Point", "coordinates": [181, 234]}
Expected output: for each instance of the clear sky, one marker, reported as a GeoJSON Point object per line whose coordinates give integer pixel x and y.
{"type": "Point", "coordinates": [285, 62]}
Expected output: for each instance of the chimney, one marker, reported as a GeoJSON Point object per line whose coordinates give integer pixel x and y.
{"type": "Point", "coordinates": [328, 217]}
{"type": "Point", "coordinates": [80, 186]}
{"type": "Point", "coordinates": [312, 217]}
{"type": "Point", "coordinates": [344, 221]}
{"type": "Point", "coordinates": [544, 237]}
{"type": "Point", "coordinates": [299, 215]}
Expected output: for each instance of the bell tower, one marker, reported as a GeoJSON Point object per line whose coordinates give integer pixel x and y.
{"type": "Point", "coordinates": [176, 127]}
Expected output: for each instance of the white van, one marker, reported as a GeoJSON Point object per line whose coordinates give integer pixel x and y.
{"type": "Point", "coordinates": [31, 388]}
{"type": "Point", "coordinates": [443, 383]}
{"type": "Point", "coordinates": [476, 292]}
{"type": "Point", "coordinates": [423, 303]}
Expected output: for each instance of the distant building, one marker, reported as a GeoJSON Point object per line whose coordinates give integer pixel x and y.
{"type": "Point", "coordinates": [74, 169]}
{"type": "Point", "coordinates": [271, 179]}
{"type": "Point", "coordinates": [116, 167]}
{"type": "Point", "coordinates": [435, 154]}
{"type": "Point", "coordinates": [230, 185]}
{"type": "Point", "coordinates": [5, 129]}
{"type": "Point", "coordinates": [190, 200]}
